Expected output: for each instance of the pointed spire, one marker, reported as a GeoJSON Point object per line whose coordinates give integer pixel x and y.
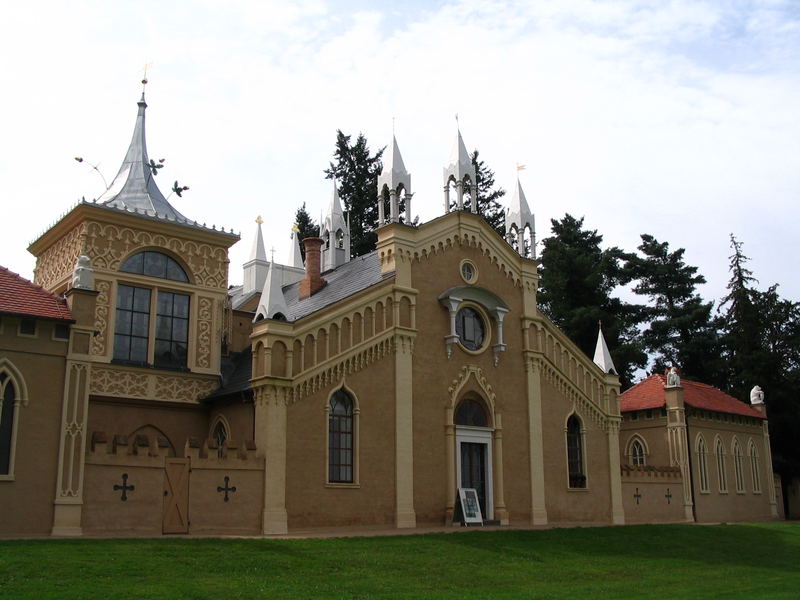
{"type": "Point", "coordinates": [460, 170]}
{"type": "Point", "coordinates": [602, 357]}
{"type": "Point", "coordinates": [272, 302]}
{"type": "Point", "coordinates": [134, 188]}
{"type": "Point", "coordinates": [255, 269]}
{"type": "Point", "coordinates": [394, 179]}
{"type": "Point", "coordinates": [295, 256]}
{"type": "Point", "coordinates": [335, 233]}
{"type": "Point", "coordinates": [518, 217]}
{"type": "Point", "coordinates": [258, 252]}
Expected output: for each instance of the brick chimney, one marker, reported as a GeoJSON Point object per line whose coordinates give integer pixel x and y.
{"type": "Point", "coordinates": [313, 282]}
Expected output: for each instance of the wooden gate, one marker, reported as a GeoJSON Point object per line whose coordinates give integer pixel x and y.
{"type": "Point", "coordinates": [176, 495]}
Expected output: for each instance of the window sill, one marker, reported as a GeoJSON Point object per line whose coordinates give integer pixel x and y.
{"type": "Point", "coordinates": [583, 489]}
{"type": "Point", "coordinates": [6, 478]}
{"type": "Point", "coordinates": [757, 493]}
{"type": "Point", "coordinates": [343, 486]}
{"type": "Point", "coordinates": [144, 365]}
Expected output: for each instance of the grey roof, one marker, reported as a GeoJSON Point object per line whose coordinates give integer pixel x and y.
{"type": "Point", "coordinates": [238, 298]}
{"type": "Point", "coordinates": [350, 278]}
{"type": "Point", "coordinates": [134, 189]}
{"type": "Point", "coordinates": [236, 372]}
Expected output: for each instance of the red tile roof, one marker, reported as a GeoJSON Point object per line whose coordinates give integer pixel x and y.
{"type": "Point", "coordinates": [649, 393]}
{"type": "Point", "coordinates": [18, 296]}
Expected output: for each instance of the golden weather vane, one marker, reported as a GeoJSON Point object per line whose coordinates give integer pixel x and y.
{"type": "Point", "coordinates": [259, 220]}
{"type": "Point", "coordinates": [144, 75]}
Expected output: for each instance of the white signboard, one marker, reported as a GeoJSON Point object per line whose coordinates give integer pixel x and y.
{"type": "Point", "coordinates": [470, 507]}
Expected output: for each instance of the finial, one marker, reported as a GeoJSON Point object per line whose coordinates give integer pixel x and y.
{"type": "Point", "coordinates": [144, 76]}
{"type": "Point", "coordinates": [259, 220]}
{"type": "Point", "coordinates": [457, 124]}
{"type": "Point", "coordinates": [272, 255]}
{"type": "Point", "coordinates": [295, 228]}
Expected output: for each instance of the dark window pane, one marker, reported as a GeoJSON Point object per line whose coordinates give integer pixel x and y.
{"type": "Point", "coordinates": [180, 330]}
{"type": "Point", "coordinates": [181, 306]}
{"type": "Point", "coordinates": [140, 323]}
{"type": "Point", "coordinates": [122, 347]}
{"type": "Point", "coordinates": [141, 299]}
{"type": "Point", "coordinates": [164, 303]}
{"type": "Point", "coordinates": [138, 349]}
{"type": "Point", "coordinates": [470, 328]}
{"type": "Point", "coordinates": [123, 324]}
{"type": "Point", "coordinates": [27, 326]}
{"type": "Point", "coordinates": [155, 264]}
{"type": "Point", "coordinates": [135, 264]}
{"type": "Point", "coordinates": [125, 297]}
{"type": "Point", "coordinates": [61, 332]}
{"type": "Point", "coordinates": [470, 412]}
{"type": "Point", "coordinates": [175, 272]}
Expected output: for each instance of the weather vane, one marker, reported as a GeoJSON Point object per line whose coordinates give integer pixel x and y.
{"type": "Point", "coordinates": [144, 76]}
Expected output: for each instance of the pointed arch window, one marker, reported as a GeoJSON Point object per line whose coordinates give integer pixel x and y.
{"type": "Point", "coordinates": [754, 468]}
{"type": "Point", "coordinates": [719, 452]}
{"type": "Point", "coordinates": [341, 438]}
{"type": "Point", "coordinates": [702, 463]}
{"type": "Point", "coordinates": [637, 453]}
{"type": "Point", "coordinates": [220, 435]}
{"type": "Point", "coordinates": [575, 462]}
{"type": "Point", "coordinates": [12, 394]}
{"type": "Point", "coordinates": [738, 466]}
{"type": "Point", "coordinates": [471, 413]}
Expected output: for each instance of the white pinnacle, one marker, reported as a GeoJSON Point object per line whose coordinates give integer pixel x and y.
{"type": "Point", "coordinates": [602, 357]}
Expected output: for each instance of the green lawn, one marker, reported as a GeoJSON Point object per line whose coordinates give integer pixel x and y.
{"type": "Point", "coordinates": [651, 561]}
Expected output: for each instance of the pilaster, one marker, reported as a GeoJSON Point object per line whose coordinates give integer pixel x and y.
{"type": "Point", "coordinates": [536, 443]}
{"type": "Point", "coordinates": [500, 511]}
{"type": "Point", "coordinates": [678, 441]}
{"type": "Point", "coordinates": [405, 516]}
{"type": "Point", "coordinates": [270, 434]}
{"type": "Point", "coordinates": [615, 479]}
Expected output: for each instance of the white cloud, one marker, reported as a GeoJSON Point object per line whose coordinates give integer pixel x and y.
{"type": "Point", "coordinates": [675, 119]}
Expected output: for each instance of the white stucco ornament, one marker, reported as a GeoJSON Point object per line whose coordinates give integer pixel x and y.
{"type": "Point", "coordinates": [756, 395]}
{"type": "Point", "coordinates": [83, 274]}
{"type": "Point", "coordinates": [673, 379]}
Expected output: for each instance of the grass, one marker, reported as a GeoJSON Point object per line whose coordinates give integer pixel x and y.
{"type": "Point", "coordinates": [648, 561]}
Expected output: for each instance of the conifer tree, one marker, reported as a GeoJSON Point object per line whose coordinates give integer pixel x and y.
{"type": "Point", "coordinates": [356, 172]}
{"type": "Point", "coordinates": [306, 226]}
{"type": "Point", "coordinates": [681, 331]}
{"type": "Point", "coordinates": [577, 279]}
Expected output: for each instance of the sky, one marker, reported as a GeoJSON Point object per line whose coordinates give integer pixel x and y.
{"type": "Point", "coordinates": [678, 119]}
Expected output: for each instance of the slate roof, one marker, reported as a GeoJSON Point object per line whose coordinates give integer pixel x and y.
{"type": "Point", "coordinates": [649, 393]}
{"type": "Point", "coordinates": [18, 296]}
{"type": "Point", "coordinates": [236, 371]}
{"type": "Point", "coordinates": [350, 278]}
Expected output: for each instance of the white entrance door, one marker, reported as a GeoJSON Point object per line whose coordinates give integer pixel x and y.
{"type": "Point", "coordinates": [474, 464]}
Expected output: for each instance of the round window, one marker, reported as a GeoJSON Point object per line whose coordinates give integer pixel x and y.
{"type": "Point", "coordinates": [468, 271]}
{"type": "Point", "coordinates": [470, 328]}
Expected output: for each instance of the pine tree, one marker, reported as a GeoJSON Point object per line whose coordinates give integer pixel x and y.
{"type": "Point", "coordinates": [577, 279]}
{"type": "Point", "coordinates": [681, 331]}
{"type": "Point", "coordinates": [487, 196]}
{"type": "Point", "coordinates": [356, 172]}
{"type": "Point", "coordinates": [306, 226]}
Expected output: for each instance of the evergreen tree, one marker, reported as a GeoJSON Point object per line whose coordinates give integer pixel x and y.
{"type": "Point", "coordinates": [356, 172]}
{"type": "Point", "coordinates": [306, 227]}
{"type": "Point", "coordinates": [761, 346]}
{"type": "Point", "coordinates": [681, 331]}
{"type": "Point", "coordinates": [577, 279]}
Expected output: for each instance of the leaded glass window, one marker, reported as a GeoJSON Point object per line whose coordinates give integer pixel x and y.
{"type": "Point", "coordinates": [154, 264]}
{"type": "Point", "coordinates": [172, 329]}
{"type": "Point", "coordinates": [471, 413]}
{"type": "Point", "coordinates": [132, 324]}
{"type": "Point", "coordinates": [577, 475]}
{"type": "Point", "coordinates": [340, 438]}
{"type": "Point", "coordinates": [637, 454]}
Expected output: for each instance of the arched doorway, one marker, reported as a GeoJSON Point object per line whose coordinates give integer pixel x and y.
{"type": "Point", "coordinates": [474, 451]}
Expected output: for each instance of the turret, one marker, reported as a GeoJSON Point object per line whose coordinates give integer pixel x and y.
{"type": "Point", "coordinates": [460, 173]}
{"type": "Point", "coordinates": [256, 267]}
{"type": "Point", "coordinates": [520, 231]}
{"type": "Point", "coordinates": [335, 233]}
{"type": "Point", "coordinates": [394, 185]}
